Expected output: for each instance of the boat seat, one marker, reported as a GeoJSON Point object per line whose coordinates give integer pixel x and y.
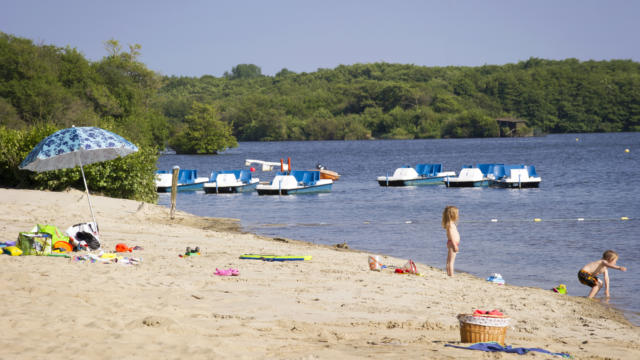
{"type": "Point", "coordinates": [307, 179]}
{"type": "Point", "coordinates": [187, 176]}
{"type": "Point", "coordinates": [245, 176]}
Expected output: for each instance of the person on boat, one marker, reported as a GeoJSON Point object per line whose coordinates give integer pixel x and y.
{"type": "Point", "coordinates": [588, 275]}
{"type": "Point", "coordinates": [449, 221]}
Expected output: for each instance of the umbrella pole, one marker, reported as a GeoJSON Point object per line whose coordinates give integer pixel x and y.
{"type": "Point", "coordinates": [88, 197]}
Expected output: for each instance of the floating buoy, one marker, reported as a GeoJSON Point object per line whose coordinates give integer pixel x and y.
{"type": "Point", "coordinates": [626, 150]}
{"type": "Point", "coordinates": [577, 139]}
{"type": "Point", "coordinates": [252, 169]}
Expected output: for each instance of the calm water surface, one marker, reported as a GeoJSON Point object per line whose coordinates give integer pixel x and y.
{"type": "Point", "coordinates": [587, 176]}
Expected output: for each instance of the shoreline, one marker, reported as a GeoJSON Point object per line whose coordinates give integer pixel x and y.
{"type": "Point", "coordinates": [599, 300]}
{"type": "Point", "coordinates": [330, 307]}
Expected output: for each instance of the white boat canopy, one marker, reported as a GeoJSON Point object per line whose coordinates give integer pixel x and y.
{"type": "Point", "coordinates": [266, 165]}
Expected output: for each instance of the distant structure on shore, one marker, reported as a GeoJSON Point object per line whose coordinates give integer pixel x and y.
{"type": "Point", "coordinates": [512, 127]}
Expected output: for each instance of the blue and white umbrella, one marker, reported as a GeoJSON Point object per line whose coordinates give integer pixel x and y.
{"type": "Point", "coordinates": [77, 146]}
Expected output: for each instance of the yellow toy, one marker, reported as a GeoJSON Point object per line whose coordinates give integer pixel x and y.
{"type": "Point", "coordinates": [13, 251]}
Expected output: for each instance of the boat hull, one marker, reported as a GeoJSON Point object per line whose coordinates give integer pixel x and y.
{"type": "Point", "coordinates": [230, 189]}
{"type": "Point", "coordinates": [438, 180]}
{"type": "Point", "coordinates": [181, 187]}
{"type": "Point", "coordinates": [294, 191]}
{"type": "Point", "coordinates": [480, 183]}
{"type": "Point", "coordinates": [328, 174]}
{"type": "Point", "coordinates": [515, 185]}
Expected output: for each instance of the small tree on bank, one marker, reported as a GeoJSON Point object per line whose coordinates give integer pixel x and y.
{"type": "Point", "coordinates": [203, 132]}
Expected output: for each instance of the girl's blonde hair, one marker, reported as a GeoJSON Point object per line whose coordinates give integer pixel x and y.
{"type": "Point", "coordinates": [610, 255]}
{"type": "Point", "coordinates": [449, 214]}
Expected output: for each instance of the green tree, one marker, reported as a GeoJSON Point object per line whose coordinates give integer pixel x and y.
{"type": "Point", "coordinates": [203, 132]}
{"type": "Point", "coordinates": [244, 71]}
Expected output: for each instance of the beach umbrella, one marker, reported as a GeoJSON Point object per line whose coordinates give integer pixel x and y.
{"type": "Point", "coordinates": [77, 146]}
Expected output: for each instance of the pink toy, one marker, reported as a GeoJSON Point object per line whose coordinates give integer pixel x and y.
{"type": "Point", "coordinates": [227, 272]}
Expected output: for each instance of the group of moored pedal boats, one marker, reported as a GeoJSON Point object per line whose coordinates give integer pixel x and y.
{"type": "Point", "coordinates": [496, 175]}
{"type": "Point", "coordinates": [288, 182]}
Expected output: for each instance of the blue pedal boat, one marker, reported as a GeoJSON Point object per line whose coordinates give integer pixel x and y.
{"type": "Point", "coordinates": [188, 180]}
{"type": "Point", "coordinates": [230, 181]}
{"type": "Point", "coordinates": [472, 176]}
{"type": "Point", "coordinates": [295, 182]}
{"type": "Point", "coordinates": [422, 174]}
{"type": "Point", "coordinates": [514, 176]}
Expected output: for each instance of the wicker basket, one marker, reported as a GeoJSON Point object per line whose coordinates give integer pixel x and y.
{"type": "Point", "coordinates": [483, 328]}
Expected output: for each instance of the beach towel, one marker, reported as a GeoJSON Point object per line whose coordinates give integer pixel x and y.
{"type": "Point", "coordinates": [495, 347]}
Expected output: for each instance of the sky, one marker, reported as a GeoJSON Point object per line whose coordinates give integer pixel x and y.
{"type": "Point", "coordinates": [210, 37]}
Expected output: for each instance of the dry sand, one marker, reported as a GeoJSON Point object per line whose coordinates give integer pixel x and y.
{"type": "Point", "coordinates": [332, 307]}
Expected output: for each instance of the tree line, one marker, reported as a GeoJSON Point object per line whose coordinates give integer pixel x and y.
{"type": "Point", "coordinates": [394, 101]}
{"type": "Point", "coordinates": [43, 88]}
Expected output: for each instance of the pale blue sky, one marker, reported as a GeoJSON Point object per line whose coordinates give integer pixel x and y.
{"type": "Point", "coordinates": [198, 37]}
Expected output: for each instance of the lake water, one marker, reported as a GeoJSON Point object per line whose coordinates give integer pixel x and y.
{"type": "Point", "coordinates": [588, 176]}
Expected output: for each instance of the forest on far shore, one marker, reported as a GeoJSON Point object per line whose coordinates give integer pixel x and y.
{"type": "Point", "coordinates": [44, 84]}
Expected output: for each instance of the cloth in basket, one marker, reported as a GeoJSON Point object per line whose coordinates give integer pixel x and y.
{"type": "Point", "coordinates": [484, 320]}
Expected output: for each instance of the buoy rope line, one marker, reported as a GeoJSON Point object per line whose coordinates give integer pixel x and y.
{"type": "Point", "coordinates": [408, 222]}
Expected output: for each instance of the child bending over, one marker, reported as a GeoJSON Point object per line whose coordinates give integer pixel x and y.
{"type": "Point", "coordinates": [588, 275]}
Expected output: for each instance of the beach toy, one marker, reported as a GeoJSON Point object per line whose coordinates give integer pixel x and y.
{"type": "Point", "coordinates": [62, 245]}
{"type": "Point", "coordinates": [7, 244]}
{"type": "Point", "coordinates": [410, 267]}
{"type": "Point", "coordinates": [227, 272]}
{"type": "Point", "coordinates": [560, 289]}
{"type": "Point", "coordinates": [122, 248]}
{"type": "Point", "coordinates": [374, 263]}
{"type": "Point", "coordinates": [190, 251]}
{"type": "Point", "coordinates": [12, 250]}
{"type": "Point", "coordinates": [496, 279]}
{"type": "Point", "coordinates": [58, 254]}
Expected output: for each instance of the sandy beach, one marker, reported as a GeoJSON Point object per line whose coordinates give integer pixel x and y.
{"type": "Point", "coordinates": [331, 307]}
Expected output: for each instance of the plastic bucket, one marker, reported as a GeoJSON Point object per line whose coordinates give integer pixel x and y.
{"type": "Point", "coordinates": [374, 263]}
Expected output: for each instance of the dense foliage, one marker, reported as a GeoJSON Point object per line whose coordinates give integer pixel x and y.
{"type": "Point", "coordinates": [44, 88]}
{"type": "Point", "coordinates": [202, 132]}
{"type": "Point", "coordinates": [382, 100]}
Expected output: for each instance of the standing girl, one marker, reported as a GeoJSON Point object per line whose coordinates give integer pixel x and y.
{"type": "Point", "coordinates": [449, 221]}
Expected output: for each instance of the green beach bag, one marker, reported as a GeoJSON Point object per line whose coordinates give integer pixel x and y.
{"type": "Point", "coordinates": [56, 234]}
{"type": "Point", "coordinates": [34, 243]}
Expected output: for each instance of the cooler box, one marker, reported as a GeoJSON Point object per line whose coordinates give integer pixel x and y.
{"type": "Point", "coordinates": [34, 243]}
